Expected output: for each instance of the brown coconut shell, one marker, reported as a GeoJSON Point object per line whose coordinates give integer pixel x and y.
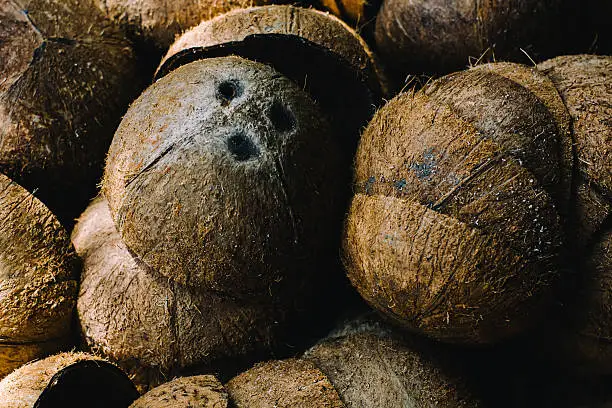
{"type": "Point", "coordinates": [68, 74]}
{"type": "Point", "coordinates": [225, 176]}
{"type": "Point", "coordinates": [67, 380]}
{"type": "Point", "coordinates": [585, 86]}
{"type": "Point", "coordinates": [441, 36]}
{"type": "Point", "coordinates": [157, 22]}
{"type": "Point", "coordinates": [201, 391]}
{"type": "Point", "coordinates": [288, 383]}
{"type": "Point", "coordinates": [454, 230]}
{"type": "Point", "coordinates": [371, 367]}
{"type": "Point", "coordinates": [152, 327]}
{"type": "Point", "coordinates": [315, 49]}
{"type": "Point", "coordinates": [38, 275]}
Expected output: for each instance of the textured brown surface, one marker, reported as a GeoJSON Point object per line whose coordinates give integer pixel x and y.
{"type": "Point", "coordinates": [69, 77]}
{"type": "Point", "coordinates": [38, 284]}
{"type": "Point", "coordinates": [372, 368]}
{"type": "Point", "coordinates": [288, 383]}
{"type": "Point", "coordinates": [438, 36]}
{"type": "Point", "coordinates": [202, 391]}
{"type": "Point", "coordinates": [240, 196]}
{"type": "Point", "coordinates": [454, 230]}
{"type": "Point", "coordinates": [35, 384]}
{"type": "Point", "coordinates": [152, 327]}
{"type": "Point", "coordinates": [355, 12]}
{"type": "Point", "coordinates": [159, 22]}
{"type": "Point", "coordinates": [327, 58]}
{"type": "Point", "coordinates": [585, 84]}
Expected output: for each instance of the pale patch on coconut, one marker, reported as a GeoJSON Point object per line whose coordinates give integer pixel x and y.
{"type": "Point", "coordinates": [202, 391]}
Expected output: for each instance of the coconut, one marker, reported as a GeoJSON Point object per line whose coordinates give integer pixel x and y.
{"type": "Point", "coordinates": [441, 36]}
{"type": "Point", "coordinates": [152, 327]}
{"type": "Point", "coordinates": [318, 51]}
{"type": "Point", "coordinates": [584, 83]}
{"type": "Point", "coordinates": [38, 284]}
{"type": "Point", "coordinates": [372, 367]}
{"type": "Point", "coordinates": [225, 176]}
{"type": "Point", "coordinates": [157, 22]}
{"type": "Point", "coordinates": [288, 383]}
{"type": "Point", "coordinates": [454, 231]}
{"type": "Point", "coordinates": [68, 75]}
{"type": "Point", "coordinates": [67, 380]}
{"type": "Point", "coordinates": [201, 391]}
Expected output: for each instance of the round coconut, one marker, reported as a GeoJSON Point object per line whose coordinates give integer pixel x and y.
{"type": "Point", "coordinates": [152, 327]}
{"type": "Point", "coordinates": [370, 368]}
{"type": "Point", "coordinates": [584, 84]}
{"type": "Point", "coordinates": [453, 231]}
{"type": "Point", "coordinates": [68, 75]}
{"type": "Point", "coordinates": [67, 380]}
{"type": "Point", "coordinates": [38, 286]}
{"type": "Point", "coordinates": [157, 22]}
{"type": "Point", "coordinates": [225, 176]}
{"type": "Point", "coordinates": [318, 51]}
{"type": "Point", "coordinates": [288, 383]}
{"type": "Point", "coordinates": [440, 36]}
{"type": "Point", "coordinates": [201, 391]}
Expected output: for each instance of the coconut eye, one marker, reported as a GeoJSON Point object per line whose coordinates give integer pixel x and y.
{"type": "Point", "coordinates": [281, 117]}
{"type": "Point", "coordinates": [242, 147]}
{"type": "Point", "coordinates": [228, 90]}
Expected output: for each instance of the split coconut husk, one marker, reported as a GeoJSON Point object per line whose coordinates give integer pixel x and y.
{"type": "Point", "coordinates": [38, 279]}
{"type": "Point", "coordinates": [454, 231]}
{"type": "Point", "coordinates": [314, 49]}
{"type": "Point", "coordinates": [67, 380]}
{"type": "Point", "coordinates": [68, 75]}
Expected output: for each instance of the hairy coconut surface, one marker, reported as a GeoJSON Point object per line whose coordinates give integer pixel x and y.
{"type": "Point", "coordinates": [67, 380]}
{"type": "Point", "coordinates": [158, 22]}
{"type": "Point", "coordinates": [201, 391]}
{"type": "Point", "coordinates": [585, 85]}
{"type": "Point", "coordinates": [288, 383]}
{"type": "Point", "coordinates": [38, 287]}
{"type": "Point", "coordinates": [315, 49]}
{"type": "Point", "coordinates": [440, 36]}
{"type": "Point", "coordinates": [584, 82]}
{"type": "Point", "coordinates": [68, 75]}
{"type": "Point", "coordinates": [454, 231]}
{"type": "Point", "coordinates": [225, 176]}
{"type": "Point", "coordinates": [371, 367]}
{"type": "Point", "coordinates": [152, 327]}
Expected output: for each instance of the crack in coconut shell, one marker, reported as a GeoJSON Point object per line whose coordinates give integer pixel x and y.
{"type": "Point", "coordinates": [328, 58]}
{"type": "Point", "coordinates": [203, 391]}
{"type": "Point", "coordinates": [63, 64]}
{"type": "Point", "coordinates": [187, 154]}
{"type": "Point", "coordinates": [283, 383]}
{"type": "Point", "coordinates": [370, 367]}
{"type": "Point", "coordinates": [440, 205]}
{"type": "Point", "coordinates": [37, 278]}
{"type": "Point", "coordinates": [153, 328]}
{"type": "Point", "coordinates": [67, 380]}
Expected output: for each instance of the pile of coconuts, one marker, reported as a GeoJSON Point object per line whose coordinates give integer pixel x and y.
{"type": "Point", "coordinates": [252, 204]}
